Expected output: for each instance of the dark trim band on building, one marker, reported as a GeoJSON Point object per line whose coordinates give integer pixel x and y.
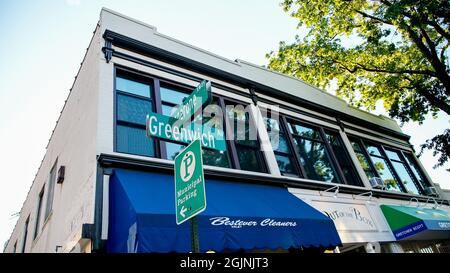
{"type": "Point", "coordinates": [163, 55]}
{"type": "Point", "coordinates": [115, 161]}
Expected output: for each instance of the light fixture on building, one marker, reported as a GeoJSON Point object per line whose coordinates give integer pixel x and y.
{"type": "Point", "coordinates": [335, 188]}
{"type": "Point", "coordinates": [61, 174]}
{"type": "Point", "coordinates": [369, 193]}
{"type": "Point", "coordinates": [414, 199]}
{"type": "Point", "coordinates": [435, 202]}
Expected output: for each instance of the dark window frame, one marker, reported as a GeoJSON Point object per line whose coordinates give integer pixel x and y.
{"type": "Point", "coordinates": [51, 190]}
{"type": "Point", "coordinates": [286, 119]}
{"type": "Point", "coordinates": [233, 144]}
{"type": "Point", "coordinates": [157, 104]}
{"type": "Point", "coordinates": [405, 163]}
{"type": "Point", "coordinates": [25, 235]}
{"type": "Point", "coordinates": [38, 212]}
{"type": "Point", "coordinates": [292, 155]}
{"type": "Point", "coordinates": [382, 148]}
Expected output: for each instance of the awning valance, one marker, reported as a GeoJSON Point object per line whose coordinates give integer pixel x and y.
{"type": "Point", "coordinates": [417, 223]}
{"type": "Point", "coordinates": [238, 217]}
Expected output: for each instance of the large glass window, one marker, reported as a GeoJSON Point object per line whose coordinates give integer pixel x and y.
{"type": "Point", "coordinates": [38, 213]}
{"type": "Point", "coordinates": [416, 170]}
{"type": "Point", "coordinates": [402, 169]}
{"type": "Point", "coordinates": [133, 102]}
{"type": "Point", "coordinates": [313, 153]}
{"type": "Point", "coordinates": [25, 235]}
{"type": "Point", "coordinates": [50, 190]}
{"type": "Point", "coordinates": [283, 154]}
{"type": "Point", "coordinates": [138, 95]}
{"type": "Point", "coordinates": [398, 169]}
{"type": "Point", "coordinates": [383, 168]}
{"type": "Point", "coordinates": [342, 158]}
{"type": "Point", "coordinates": [364, 160]}
{"type": "Point", "coordinates": [244, 137]}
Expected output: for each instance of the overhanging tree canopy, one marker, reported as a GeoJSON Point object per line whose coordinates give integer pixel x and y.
{"type": "Point", "coordinates": [390, 50]}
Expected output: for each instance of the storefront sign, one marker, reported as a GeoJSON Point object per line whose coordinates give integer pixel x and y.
{"type": "Point", "coordinates": [409, 230]}
{"type": "Point", "coordinates": [163, 127]}
{"type": "Point", "coordinates": [190, 196]}
{"type": "Point", "coordinates": [239, 223]}
{"type": "Point", "coordinates": [347, 216]}
{"type": "Point", "coordinates": [199, 97]}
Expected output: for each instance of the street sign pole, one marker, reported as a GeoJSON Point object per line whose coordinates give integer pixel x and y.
{"type": "Point", "coordinates": [190, 195]}
{"type": "Point", "coordinates": [194, 235]}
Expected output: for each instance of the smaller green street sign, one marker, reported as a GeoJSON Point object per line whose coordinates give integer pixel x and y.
{"type": "Point", "coordinates": [190, 194]}
{"type": "Point", "coordinates": [191, 104]}
{"type": "Point", "coordinates": [161, 126]}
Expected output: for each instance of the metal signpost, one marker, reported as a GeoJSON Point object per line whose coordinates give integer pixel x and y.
{"type": "Point", "coordinates": [190, 194]}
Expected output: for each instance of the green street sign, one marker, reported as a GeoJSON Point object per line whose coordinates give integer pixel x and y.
{"type": "Point", "coordinates": [191, 104]}
{"type": "Point", "coordinates": [190, 195]}
{"type": "Point", "coordinates": [161, 126]}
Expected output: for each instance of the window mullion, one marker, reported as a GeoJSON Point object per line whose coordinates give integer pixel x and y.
{"type": "Point", "coordinates": [229, 135]}
{"type": "Point", "coordinates": [332, 155]}
{"type": "Point", "coordinates": [299, 167]}
{"type": "Point", "coordinates": [411, 173]}
{"type": "Point", "coordinates": [367, 156]}
{"type": "Point", "coordinates": [161, 151]}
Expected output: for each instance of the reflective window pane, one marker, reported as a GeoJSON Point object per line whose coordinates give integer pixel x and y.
{"type": "Point", "coordinates": [133, 141]}
{"type": "Point", "coordinates": [304, 131]}
{"type": "Point", "coordinates": [393, 155]}
{"type": "Point", "coordinates": [286, 165]}
{"type": "Point", "coordinates": [132, 109]}
{"type": "Point", "coordinates": [372, 150]}
{"type": "Point", "coordinates": [385, 173]}
{"type": "Point", "coordinates": [173, 149]}
{"type": "Point", "coordinates": [244, 130]}
{"type": "Point", "coordinates": [365, 165]}
{"type": "Point", "coordinates": [356, 146]}
{"type": "Point", "coordinates": [406, 179]}
{"type": "Point", "coordinates": [315, 160]}
{"type": "Point", "coordinates": [167, 110]}
{"type": "Point", "coordinates": [133, 87]}
{"type": "Point", "coordinates": [279, 142]}
{"type": "Point", "coordinates": [416, 170]}
{"type": "Point", "coordinates": [272, 124]}
{"type": "Point", "coordinates": [169, 94]}
{"type": "Point", "coordinates": [248, 159]}
{"type": "Point", "coordinates": [216, 158]}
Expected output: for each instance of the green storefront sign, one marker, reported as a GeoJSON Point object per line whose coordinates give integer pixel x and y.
{"type": "Point", "coordinates": [199, 97]}
{"type": "Point", "coordinates": [163, 127]}
{"type": "Point", "coordinates": [190, 196]}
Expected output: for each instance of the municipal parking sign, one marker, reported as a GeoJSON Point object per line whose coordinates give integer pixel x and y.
{"type": "Point", "coordinates": [190, 197]}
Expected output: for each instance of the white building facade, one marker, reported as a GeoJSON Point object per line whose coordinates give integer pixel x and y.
{"type": "Point", "coordinates": [354, 167]}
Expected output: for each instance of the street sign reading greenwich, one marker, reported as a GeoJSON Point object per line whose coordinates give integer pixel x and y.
{"type": "Point", "coordinates": [191, 104]}
{"type": "Point", "coordinates": [190, 195]}
{"type": "Point", "coordinates": [163, 127]}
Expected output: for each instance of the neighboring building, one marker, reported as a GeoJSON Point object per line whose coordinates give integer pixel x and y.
{"type": "Point", "coordinates": [102, 182]}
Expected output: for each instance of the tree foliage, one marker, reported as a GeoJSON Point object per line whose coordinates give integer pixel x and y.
{"type": "Point", "coordinates": [390, 50]}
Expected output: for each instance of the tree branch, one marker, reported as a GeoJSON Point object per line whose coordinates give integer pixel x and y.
{"type": "Point", "coordinates": [401, 71]}
{"type": "Point", "coordinates": [439, 29]}
{"type": "Point", "coordinates": [374, 18]}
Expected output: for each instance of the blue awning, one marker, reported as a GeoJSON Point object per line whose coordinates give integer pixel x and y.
{"type": "Point", "coordinates": [238, 216]}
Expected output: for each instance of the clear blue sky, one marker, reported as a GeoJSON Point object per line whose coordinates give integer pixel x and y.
{"type": "Point", "coordinates": [43, 43]}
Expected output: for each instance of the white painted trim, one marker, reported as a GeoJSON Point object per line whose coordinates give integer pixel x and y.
{"type": "Point", "coordinates": [266, 147]}
{"type": "Point", "coordinates": [105, 208]}
{"type": "Point", "coordinates": [355, 161]}
{"type": "Point", "coordinates": [378, 140]}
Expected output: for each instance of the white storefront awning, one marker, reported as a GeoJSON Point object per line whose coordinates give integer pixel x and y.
{"type": "Point", "coordinates": [358, 219]}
